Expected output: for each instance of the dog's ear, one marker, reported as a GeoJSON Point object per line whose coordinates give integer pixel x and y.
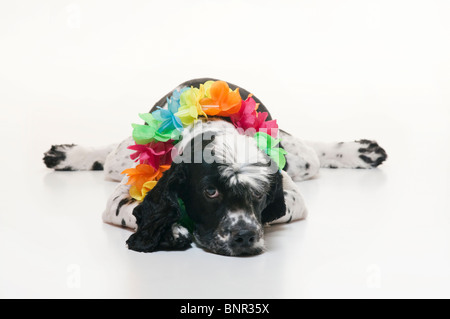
{"type": "Point", "coordinates": [276, 206]}
{"type": "Point", "coordinates": [159, 213]}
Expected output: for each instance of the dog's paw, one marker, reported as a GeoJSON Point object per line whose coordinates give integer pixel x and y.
{"type": "Point", "coordinates": [55, 157]}
{"type": "Point", "coordinates": [371, 154]}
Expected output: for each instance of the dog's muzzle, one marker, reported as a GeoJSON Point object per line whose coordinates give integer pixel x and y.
{"type": "Point", "coordinates": [238, 234]}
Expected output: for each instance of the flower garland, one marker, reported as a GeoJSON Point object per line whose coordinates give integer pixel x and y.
{"type": "Point", "coordinates": [155, 140]}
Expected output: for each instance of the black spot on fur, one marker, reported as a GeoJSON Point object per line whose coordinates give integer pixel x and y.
{"type": "Point", "coordinates": [307, 165]}
{"type": "Point", "coordinates": [65, 169]}
{"type": "Point", "coordinates": [363, 141]}
{"type": "Point", "coordinates": [332, 166]}
{"type": "Point", "coordinates": [323, 154]}
{"type": "Point", "coordinates": [97, 166]}
{"type": "Point", "coordinates": [284, 193]}
{"type": "Point", "coordinates": [289, 220]}
{"type": "Point", "coordinates": [339, 155]}
{"type": "Point", "coordinates": [124, 201]}
{"type": "Point", "coordinates": [124, 224]}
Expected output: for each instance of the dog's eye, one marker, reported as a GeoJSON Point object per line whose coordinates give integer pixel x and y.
{"type": "Point", "coordinates": [258, 196]}
{"type": "Point", "coordinates": [211, 192]}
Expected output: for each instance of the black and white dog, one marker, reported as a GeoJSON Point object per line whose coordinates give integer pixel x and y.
{"type": "Point", "coordinates": [228, 199]}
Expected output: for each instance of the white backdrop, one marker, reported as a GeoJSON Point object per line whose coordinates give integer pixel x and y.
{"type": "Point", "coordinates": [80, 71]}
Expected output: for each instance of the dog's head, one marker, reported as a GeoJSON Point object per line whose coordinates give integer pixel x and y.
{"type": "Point", "coordinates": [230, 190]}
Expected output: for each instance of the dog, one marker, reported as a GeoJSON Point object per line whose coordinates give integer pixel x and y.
{"type": "Point", "coordinates": [227, 199]}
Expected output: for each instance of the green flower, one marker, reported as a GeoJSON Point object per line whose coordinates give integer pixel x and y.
{"type": "Point", "coordinates": [144, 134]}
{"type": "Point", "coordinates": [267, 143]}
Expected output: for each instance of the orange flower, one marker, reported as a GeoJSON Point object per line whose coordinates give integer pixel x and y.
{"type": "Point", "coordinates": [143, 173]}
{"type": "Point", "coordinates": [222, 101]}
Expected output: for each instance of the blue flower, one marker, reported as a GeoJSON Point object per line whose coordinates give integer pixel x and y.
{"type": "Point", "coordinates": [169, 121]}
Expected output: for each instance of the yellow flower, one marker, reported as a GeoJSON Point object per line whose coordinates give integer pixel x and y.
{"type": "Point", "coordinates": [190, 107]}
{"type": "Point", "coordinates": [139, 194]}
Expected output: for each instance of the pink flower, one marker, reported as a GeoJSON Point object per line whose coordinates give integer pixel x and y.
{"type": "Point", "coordinates": [154, 154]}
{"type": "Point", "coordinates": [249, 120]}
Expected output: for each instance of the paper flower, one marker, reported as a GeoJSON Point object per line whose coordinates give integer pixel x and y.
{"type": "Point", "coordinates": [140, 193]}
{"type": "Point", "coordinates": [153, 154]}
{"type": "Point", "coordinates": [140, 176]}
{"type": "Point", "coordinates": [247, 118]}
{"type": "Point", "coordinates": [267, 143]}
{"type": "Point", "coordinates": [144, 134]}
{"type": "Point", "coordinates": [220, 100]}
{"type": "Point", "coordinates": [169, 121]}
{"type": "Point", "coordinates": [190, 107]}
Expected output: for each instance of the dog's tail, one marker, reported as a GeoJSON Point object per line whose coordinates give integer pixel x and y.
{"type": "Point", "coordinates": [71, 157]}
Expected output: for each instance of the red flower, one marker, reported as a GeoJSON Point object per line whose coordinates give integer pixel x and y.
{"type": "Point", "coordinates": [248, 119]}
{"type": "Point", "coordinates": [154, 154]}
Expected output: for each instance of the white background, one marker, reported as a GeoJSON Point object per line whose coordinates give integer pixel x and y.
{"type": "Point", "coordinates": [80, 71]}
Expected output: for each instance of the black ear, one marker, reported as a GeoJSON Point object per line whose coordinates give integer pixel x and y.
{"type": "Point", "coordinates": [276, 207]}
{"type": "Point", "coordinates": [159, 213]}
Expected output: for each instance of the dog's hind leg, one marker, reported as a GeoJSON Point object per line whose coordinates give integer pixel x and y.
{"type": "Point", "coordinates": [113, 159]}
{"type": "Point", "coordinates": [357, 154]}
{"type": "Point", "coordinates": [304, 158]}
{"type": "Point", "coordinates": [71, 157]}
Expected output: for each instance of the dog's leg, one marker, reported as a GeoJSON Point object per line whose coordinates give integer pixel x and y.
{"type": "Point", "coordinates": [357, 154]}
{"type": "Point", "coordinates": [71, 157]}
{"type": "Point", "coordinates": [304, 158]}
{"type": "Point", "coordinates": [113, 159]}
{"type": "Point", "coordinates": [295, 205]}
{"type": "Point", "coordinates": [302, 161]}
{"type": "Point", "coordinates": [119, 211]}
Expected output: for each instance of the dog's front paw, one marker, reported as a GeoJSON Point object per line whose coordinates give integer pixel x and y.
{"type": "Point", "coordinates": [55, 157]}
{"type": "Point", "coordinates": [371, 154]}
{"type": "Point", "coordinates": [178, 238]}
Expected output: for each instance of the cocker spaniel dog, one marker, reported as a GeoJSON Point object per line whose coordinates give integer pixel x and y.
{"type": "Point", "coordinates": [221, 188]}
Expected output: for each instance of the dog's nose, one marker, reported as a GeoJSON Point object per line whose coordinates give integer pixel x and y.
{"type": "Point", "coordinates": [244, 237]}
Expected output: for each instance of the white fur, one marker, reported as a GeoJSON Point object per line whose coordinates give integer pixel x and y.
{"type": "Point", "coordinates": [179, 231]}
{"type": "Point", "coordinates": [118, 160]}
{"type": "Point", "coordinates": [123, 217]}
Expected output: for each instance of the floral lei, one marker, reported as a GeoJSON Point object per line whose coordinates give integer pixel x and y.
{"type": "Point", "coordinates": [154, 141]}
